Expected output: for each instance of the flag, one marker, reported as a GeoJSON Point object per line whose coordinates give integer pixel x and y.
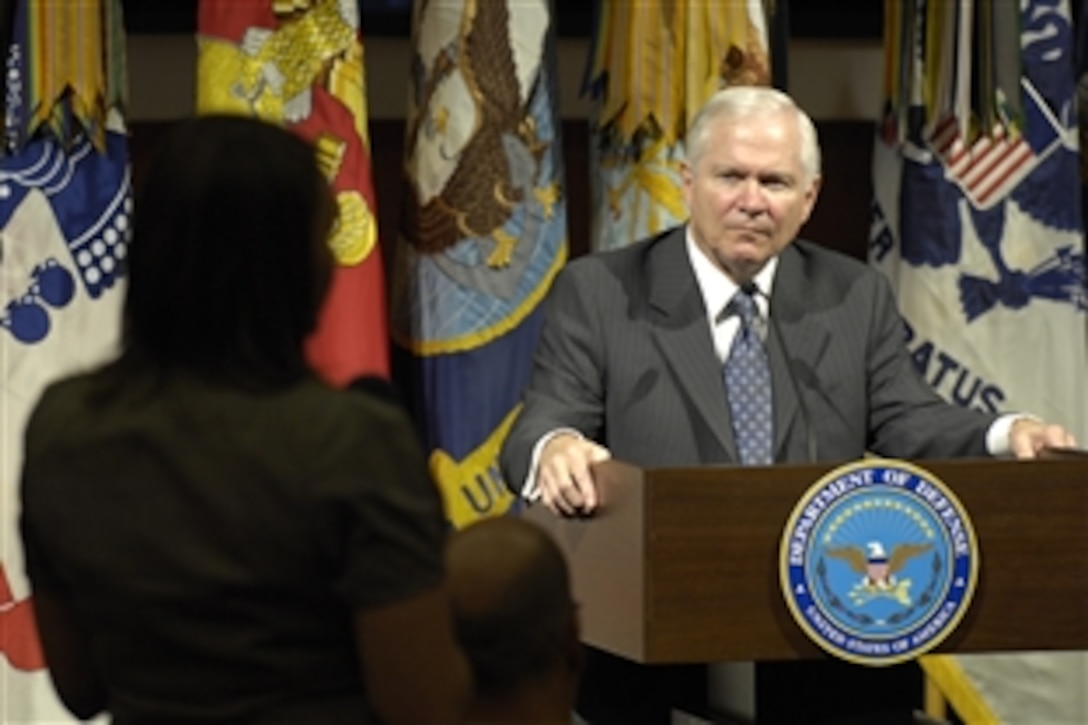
{"type": "Point", "coordinates": [65, 213]}
{"type": "Point", "coordinates": [652, 65]}
{"type": "Point", "coordinates": [977, 223]}
{"type": "Point", "coordinates": [300, 65]}
{"type": "Point", "coordinates": [483, 232]}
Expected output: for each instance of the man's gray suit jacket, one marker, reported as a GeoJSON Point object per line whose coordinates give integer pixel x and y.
{"type": "Point", "coordinates": [626, 357]}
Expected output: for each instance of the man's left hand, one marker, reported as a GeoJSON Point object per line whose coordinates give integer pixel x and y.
{"type": "Point", "coordinates": [1029, 436]}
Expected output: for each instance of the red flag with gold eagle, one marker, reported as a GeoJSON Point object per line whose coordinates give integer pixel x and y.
{"type": "Point", "coordinates": [299, 63]}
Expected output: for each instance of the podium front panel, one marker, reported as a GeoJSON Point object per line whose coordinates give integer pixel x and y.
{"type": "Point", "coordinates": [681, 565]}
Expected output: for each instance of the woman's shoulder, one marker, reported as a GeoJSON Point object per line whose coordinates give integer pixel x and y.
{"type": "Point", "coordinates": [368, 402]}
{"type": "Point", "coordinates": [360, 418]}
{"type": "Point", "coordinates": [62, 412]}
{"type": "Point", "coordinates": [65, 395]}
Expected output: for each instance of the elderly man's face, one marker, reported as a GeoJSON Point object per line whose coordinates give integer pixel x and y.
{"type": "Point", "coordinates": [747, 191]}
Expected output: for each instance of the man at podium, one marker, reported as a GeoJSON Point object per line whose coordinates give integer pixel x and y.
{"type": "Point", "coordinates": [728, 340]}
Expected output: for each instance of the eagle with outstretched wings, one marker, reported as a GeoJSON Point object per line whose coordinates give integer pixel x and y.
{"type": "Point", "coordinates": [876, 566]}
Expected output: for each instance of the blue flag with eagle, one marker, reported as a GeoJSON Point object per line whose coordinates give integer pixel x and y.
{"type": "Point", "coordinates": [977, 223]}
{"type": "Point", "coordinates": [483, 232]}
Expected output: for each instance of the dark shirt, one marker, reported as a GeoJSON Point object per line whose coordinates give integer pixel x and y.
{"type": "Point", "coordinates": [215, 542]}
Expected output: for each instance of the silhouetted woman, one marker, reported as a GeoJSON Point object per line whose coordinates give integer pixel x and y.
{"type": "Point", "coordinates": [211, 532]}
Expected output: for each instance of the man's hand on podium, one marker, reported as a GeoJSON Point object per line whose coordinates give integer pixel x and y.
{"type": "Point", "coordinates": [1029, 437]}
{"type": "Point", "coordinates": [564, 476]}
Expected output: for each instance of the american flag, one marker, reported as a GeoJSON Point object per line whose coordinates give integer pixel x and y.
{"type": "Point", "coordinates": [989, 168]}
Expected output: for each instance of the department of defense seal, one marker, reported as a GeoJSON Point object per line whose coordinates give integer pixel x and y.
{"type": "Point", "coordinates": [878, 562]}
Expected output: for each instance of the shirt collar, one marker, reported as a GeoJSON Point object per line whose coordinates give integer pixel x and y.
{"type": "Point", "coordinates": [717, 287]}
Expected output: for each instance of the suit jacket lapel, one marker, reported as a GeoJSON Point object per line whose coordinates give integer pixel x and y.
{"type": "Point", "coordinates": [678, 323]}
{"type": "Point", "coordinates": [804, 337]}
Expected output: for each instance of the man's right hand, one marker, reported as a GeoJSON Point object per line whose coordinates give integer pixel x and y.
{"type": "Point", "coordinates": [563, 476]}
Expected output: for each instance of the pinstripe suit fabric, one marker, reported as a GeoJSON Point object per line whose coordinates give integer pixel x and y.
{"type": "Point", "coordinates": [626, 357]}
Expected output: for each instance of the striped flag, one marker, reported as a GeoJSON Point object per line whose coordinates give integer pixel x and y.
{"type": "Point", "coordinates": [987, 169]}
{"type": "Point", "coordinates": [990, 167]}
{"type": "Point", "coordinates": [301, 65]}
{"type": "Point", "coordinates": [652, 65]}
{"type": "Point", "coordinates": [65, 208]}
{"type": "Point", "coordinates": [977, 223]}
{"type": "Point", "coordinates": [483, 232]}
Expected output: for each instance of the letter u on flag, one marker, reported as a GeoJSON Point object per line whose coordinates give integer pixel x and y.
{"type": "Point", "coordinates": [483, 231]}
{"type": "Point", "coordinates": [301, 65]}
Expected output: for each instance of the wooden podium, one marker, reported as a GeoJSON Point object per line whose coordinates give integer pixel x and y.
{"type": "Point", "coordinates": [681, 564]}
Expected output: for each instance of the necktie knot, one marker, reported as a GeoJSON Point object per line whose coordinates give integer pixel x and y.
{"type": "Point", "coordinates": [744, 304]}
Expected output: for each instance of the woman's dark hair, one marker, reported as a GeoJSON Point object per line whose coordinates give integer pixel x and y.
{"type": "Point", "coordinates": [229, 262]}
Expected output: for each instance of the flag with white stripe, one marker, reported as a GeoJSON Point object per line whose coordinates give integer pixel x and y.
{"type": "Point", "coordinates": [65, 212]}
{"type": "Point", "coordinates": [977, 223]}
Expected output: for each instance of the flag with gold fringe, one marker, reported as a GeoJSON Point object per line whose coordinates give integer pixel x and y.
{"type": "Point", "coordinates": [65, 208]}
{"type": "Point", "coordinates": [652, 64]}
{"type": "Point", "coordinates": [299, 63]}
{"type": "Point", "coordinates": [483, 232]}
{"type": "Point", "coordinates": [977, 223]}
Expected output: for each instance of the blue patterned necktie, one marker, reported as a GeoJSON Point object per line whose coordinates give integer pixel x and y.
{"type": "Point", "coordinates": [748, 386]}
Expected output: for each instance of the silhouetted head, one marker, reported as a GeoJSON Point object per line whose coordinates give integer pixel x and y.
{"type": "Point", "coordinates": [513, 610]}
{"type": "Point", "coordinates": [229, 262]}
